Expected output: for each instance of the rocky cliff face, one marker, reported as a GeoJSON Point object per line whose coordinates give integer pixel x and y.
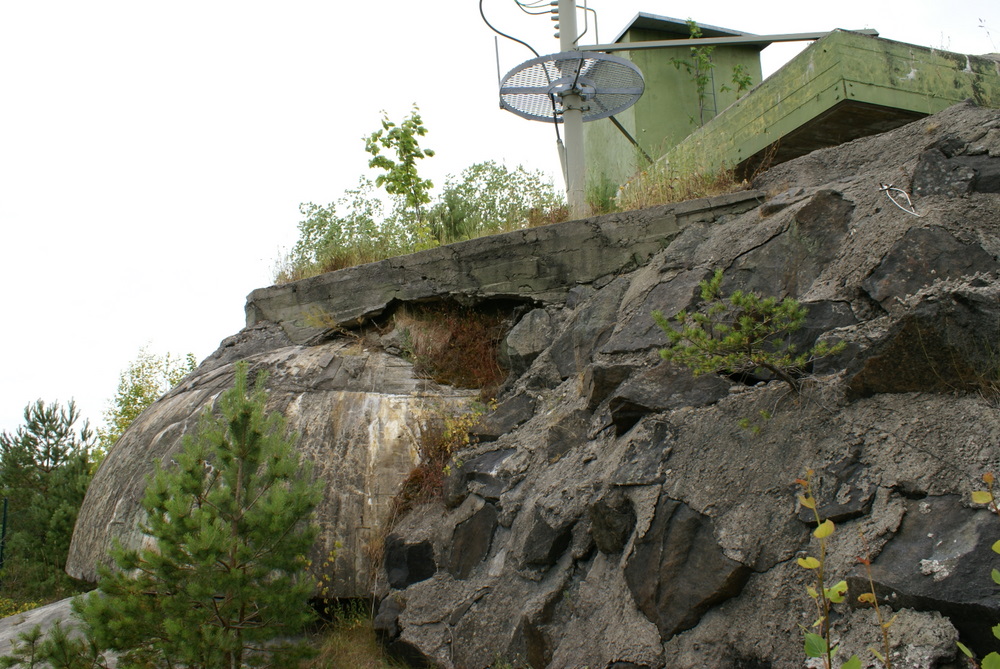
{"type": "Point", "coordinates": [621, 517]}
{"type": "Point", "coordinates": [612, 512]}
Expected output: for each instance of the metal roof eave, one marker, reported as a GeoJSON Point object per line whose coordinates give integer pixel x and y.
{"type": "Point", "coordinates": [760, 41]}
{"type": "Point", "coordinates": [649, 21]}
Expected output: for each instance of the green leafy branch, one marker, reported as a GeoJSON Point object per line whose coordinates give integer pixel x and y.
{"type": "Point", "coordinates": [739, 334]}
{"type": "Point", "coordinates": [401, 177]}
{"type": "Point", "coordinates": [699, 67]}
{"type": "Point", "coordinates": [742, 79]}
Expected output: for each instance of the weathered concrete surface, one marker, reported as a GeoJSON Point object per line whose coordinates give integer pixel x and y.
{"type": "Point", "coordinates": [359, 414]}
{"type": "Point", "coordinates": [841, 87]}
{"type": "Point", "coordinates": [537, 265]}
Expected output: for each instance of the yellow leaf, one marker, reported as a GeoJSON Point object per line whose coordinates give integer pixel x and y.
{"type": "Point", "coordinates": [824, 529]}
{"type": "Point", "coordinates": [812, 591]}
{"type": "Point", "coordinates": [807, 502]}
{"type": "Point", "coordinates": [808, 562]}
{"type": "Point", "coordinates": [982, 496]}
{"type": "Point", "coordinates": [891, 620]}
{"type": "Point", "coordinates": [837, 592]}
{"type": "Point", "coordinates": [996, 546]}
{"type": "Point", "coordinates": [866, 598]}
{"type": "Point", "coordinates": [988, 478]}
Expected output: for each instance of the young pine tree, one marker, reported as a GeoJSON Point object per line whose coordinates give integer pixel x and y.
{"type": "Point", "coordinates": [232, 522]}
{"type": "Point", "coordinates": [742, 333]}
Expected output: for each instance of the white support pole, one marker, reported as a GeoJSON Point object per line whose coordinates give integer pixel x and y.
{"type": "Point", "coordinates": [576, 169]}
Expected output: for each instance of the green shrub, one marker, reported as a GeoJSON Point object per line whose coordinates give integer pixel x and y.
{"type": "Point", "coordinates": [353, 230]}
{"type": "Point", "coordinates": [143, 382]}
{"type": "Point", "coordinates": [488, 198]}
{"type": "Point", "coordinates": [363, 226]}
{"type": "Point", "coordinates": [10, 607]}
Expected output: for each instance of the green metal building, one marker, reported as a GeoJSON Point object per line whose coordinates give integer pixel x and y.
{"type": "Point", "coordinates": [671, 108]}
{"type": "Point", "coordinates": [845, 85]}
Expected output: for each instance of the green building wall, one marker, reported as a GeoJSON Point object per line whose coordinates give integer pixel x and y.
{"type": "Point", "coordinates": [668, 110]}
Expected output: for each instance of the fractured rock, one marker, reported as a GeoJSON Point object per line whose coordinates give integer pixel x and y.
{"type": "Point", "coordinates": [677, 570]}
{"type": "Point", "coordinates": [922, 256]}
{"type": "Point", "coordinates": [940, 560]}
{"type": "Point", "coordinates": [408, 563]}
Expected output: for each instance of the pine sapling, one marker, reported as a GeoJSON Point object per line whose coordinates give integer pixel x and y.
{"type": "Point", "coordinates": [740, 334]}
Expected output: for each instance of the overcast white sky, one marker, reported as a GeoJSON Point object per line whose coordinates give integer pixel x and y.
{"type": "Point", "coordinates": [153, 154]}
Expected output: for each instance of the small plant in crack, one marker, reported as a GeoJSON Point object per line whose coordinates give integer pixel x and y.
{"type": "Point", "coordinates": [869, 598]}
{"type": "Point", "coordinates": [741, 334]}
{"type": "Point", "coordinates": [818, 637]}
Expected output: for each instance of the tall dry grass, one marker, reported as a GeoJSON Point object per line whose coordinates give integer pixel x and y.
{"type": "Point", "coordinates": [662, 183]}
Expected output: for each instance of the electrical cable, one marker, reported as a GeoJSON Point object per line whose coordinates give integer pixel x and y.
{"type": "Point", "coordinates": [555, 109]}
{"type": "Point", "coordinates": [522, 8]}
{"type": "Point", "coordinates": [525, 6]}
{"type": "Point", "coordinates": [503, 34]}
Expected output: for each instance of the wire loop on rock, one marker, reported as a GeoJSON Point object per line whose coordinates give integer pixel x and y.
{"type": "Point", "coordinates": [909, 208]}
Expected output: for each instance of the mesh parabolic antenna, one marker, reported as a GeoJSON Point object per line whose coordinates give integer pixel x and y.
{"type": "Point", "coordinates": [605, 84]}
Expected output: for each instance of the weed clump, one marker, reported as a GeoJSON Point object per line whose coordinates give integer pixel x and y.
{"type": "Point", "coordinates": [454, 345]}
{"type": "Point", "coordinates": [350, 642]}
{"type": "Point", "coordinates": [446, 432]}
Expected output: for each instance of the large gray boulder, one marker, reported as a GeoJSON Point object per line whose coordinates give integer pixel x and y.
{"type": "Point", "coordinates": [12, 628]}
{"type": "Point", "coordinates": [359, 413]}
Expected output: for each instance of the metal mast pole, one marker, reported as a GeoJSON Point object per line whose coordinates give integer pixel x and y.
{"type": "Point", "coordinates": [576, 170]}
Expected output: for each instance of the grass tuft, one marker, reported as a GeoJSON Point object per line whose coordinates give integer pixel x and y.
{"type": "Point", "coordinates": [349, 642]}
{"type": "Point", "coordinates": [662, 183]}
